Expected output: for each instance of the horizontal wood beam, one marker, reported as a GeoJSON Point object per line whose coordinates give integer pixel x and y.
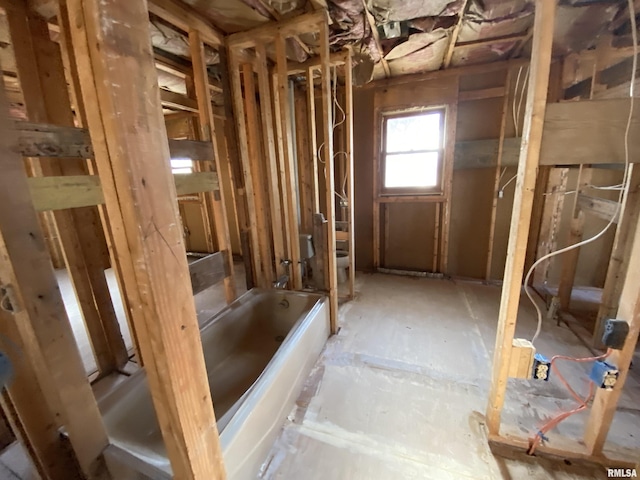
{"type": "Point", "coordinates": [588, 132]}
{"type": "Point", "coordinates": [185, 18]}
{"type": "Point", "coordinates": [178, 101]}
{"type": "Point", "coordinates": [208, 271]}
{"type": "Point", "coordinates": [53, 141]}
{"type": "Point", "coordinates": [491, 41]}
{"type": "Point", "coordinates": [484, 153]}
{"type": "Point", "coordinates": [59, 193]}
{"type": "Point", "coordinates": [609, 77]}
{"type": "Point", "coordinates": [561, 448]}
{"type": "Point", "coordinates": [496, 92]}
{"type": "Point", "coordinates": [306, 23]}
{"type": "Point", "coordinates": [600, 207]}
{"type": "Point", "coordinates": [336, 58]}
{"type": "Point", "coordinates": [175, 65]}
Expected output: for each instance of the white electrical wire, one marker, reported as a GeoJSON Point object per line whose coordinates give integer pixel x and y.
{"type": "Point", "coordinates": [513, 107]}
{"type": "Point", "coordinates": [524, 89]}
{"type": "Point", "coordinates": [625, 179]}
{"type": "Point", "coordinates": [508, 182]}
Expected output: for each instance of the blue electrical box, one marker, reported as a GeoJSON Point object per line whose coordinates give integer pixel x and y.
{"type": "Point", "coordinates": [541, 367]}
{"type": "Point", "coordinates": [604, 375]}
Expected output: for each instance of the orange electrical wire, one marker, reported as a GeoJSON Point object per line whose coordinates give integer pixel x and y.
{"type": "Point", "coordinates": [535, 441]}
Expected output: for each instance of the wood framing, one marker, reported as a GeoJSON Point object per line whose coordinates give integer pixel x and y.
{"type": "Point", "coordinates": [606, 401]}
{"type": "Point", "coordinates": [454, 35]}
{"type": "Point", "coordinates": [576, 230]}
{"type": "Point", "coordinates": [348, 127]}
{"type": "Point", "coordinates": [523, 202]}
{"type": "Point", "coordinates": [327, 151]}
{"type": "Point", "coordinates": [335, 58]}
{"type": "Point", "coordinates": [288, 161]}
{"type": "Point", "coordinates": [620, 255]}
{"type": "Point", "coordinates": [600, 207]}
{"type": "Point", "coordinates": [186, 19]}
{"type": "Point", "coordinates": [269, 147]}
{"type": "Point", "coordinates": [496, 183]}
{"type": "Point", "coordinates": [208, 271]}
{"type": "Point", "coordinates": [57, 141]}
{"type": "Point", "coordinates": [247, 150]}
{"type": "Point", "coordinates": [447, 173]}
{"type": "Point", "coordinates": [41, 72]}
{"type": "Point", "coordinates": [216, 203]}
{"type": "Point", "coordinates": [593, 128]}
{"type": "Point", "coordinates": [38, 322]}
{"type": "Point", "coordinates": [141, 202]}
{"type": "Point", "coordinates": [76, 191]}
{"type": "Point", "coordinates": [235, 169]}
{"type": "Point", "coordinates": [554, 198]}
{"type": "Point", "coordinates": [309, 22]}
{"type": "Point", "coordinates": [258, 213]}
{"type": "Point", "coordinates": [313, 136]}
{"type": "Point", "coordinates": [376, 37]}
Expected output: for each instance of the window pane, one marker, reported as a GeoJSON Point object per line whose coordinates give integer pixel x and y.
{"type": "Point", "coordinates": [415, 132]}
{"type": "Point", "coordinates": [411, 170]}
{"type": "Point", "coordinates": [181, 165]}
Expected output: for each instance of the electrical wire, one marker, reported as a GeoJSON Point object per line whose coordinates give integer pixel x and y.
{"type": "Point", "coordinates": [524, 89]}
{"type": "Point", "coordinates": [583, 403]}
{"type": "Point", "coordinates": [625, 179]}
{"type": "Point", "coordinates": [513, 107]}
{"type": "Point", "coordinates": [508, 182]}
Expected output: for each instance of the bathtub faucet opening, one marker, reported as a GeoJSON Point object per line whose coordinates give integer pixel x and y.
{"type": "Point", "coordinates": [281, 282]}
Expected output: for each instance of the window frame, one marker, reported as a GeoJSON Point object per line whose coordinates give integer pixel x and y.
{"type": "Point", "coordinates": [437, 189]}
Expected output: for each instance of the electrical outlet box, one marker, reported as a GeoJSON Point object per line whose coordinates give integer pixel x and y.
{"type": "Point", "coordinates": [604, 375]}
{"type": "Point", "coordinates": [615, 333]}
{"type": "Point", "coordinates": [522, 352]}
{"type": "Point", "coordinates": [541, 367]}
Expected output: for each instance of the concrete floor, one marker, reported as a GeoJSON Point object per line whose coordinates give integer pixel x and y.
{"type": "Point", "coordinates": [401, 391]}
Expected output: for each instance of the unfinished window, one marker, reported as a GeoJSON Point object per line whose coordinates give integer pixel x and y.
{"type": "Point", "coordinates": [412, 152]}
{"type": "Point", "coordinates": [181, 165]}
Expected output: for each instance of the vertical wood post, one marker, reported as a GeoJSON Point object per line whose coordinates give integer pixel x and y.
{"type": "Point", "coordinates": [258, 207]}
{"type": "Point", "coordinates": [523, 201]}
{"type": "Point", "coordinates": [235, 169]}
{"type": "Point", "coordinates": [447, 172]}
{"type": "Point", "coordinates": [247, 151]}
{"type": "Point", "coordinates": [269, 146]}
{"type": "Point", "coordinates": [313, 136]}
{"type": "Point", "coordinates": [111, 43]}
{"type": "Point", "coordinates": [551, 212]}
{"type": "Point", "coordinates": [576, 231]}
{"type": "Point", "coordinates": [348, 125]}
{"type": "Point", "coordinates": [290, 183]}
{"type": "Point", "coordinates": [327, 152]}
{"type": "Point", "coordinates": [496, 183]}
{"type": "Point", "coordinates": [208, 133]}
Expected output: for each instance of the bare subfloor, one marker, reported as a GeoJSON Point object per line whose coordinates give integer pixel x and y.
{"type": "Point", "coordinates": [401, 391]}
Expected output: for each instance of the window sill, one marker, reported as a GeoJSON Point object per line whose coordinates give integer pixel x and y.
{"type": "Point", "coordinates": [413, 198]}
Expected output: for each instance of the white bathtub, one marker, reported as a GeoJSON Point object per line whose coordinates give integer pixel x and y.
{"type": "Point", "coordinates": [258, 351]}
